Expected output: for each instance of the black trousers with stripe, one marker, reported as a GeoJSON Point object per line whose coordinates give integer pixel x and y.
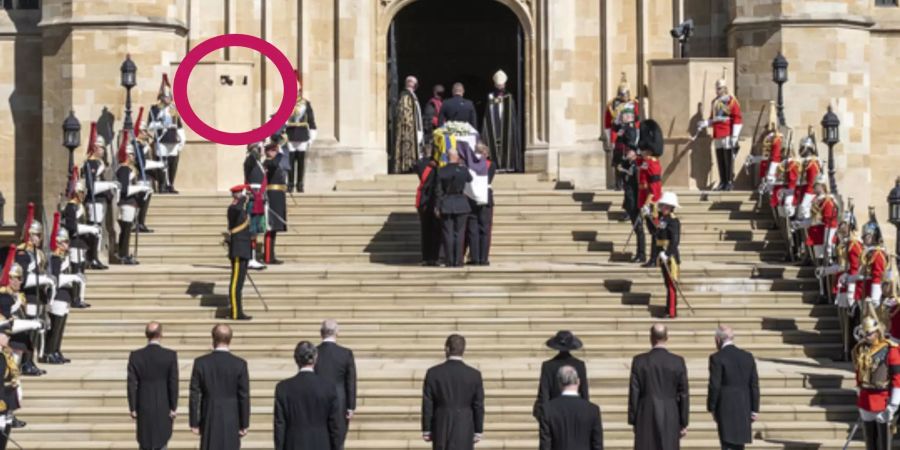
{"type": "Point", "coordinates": [236, 287]}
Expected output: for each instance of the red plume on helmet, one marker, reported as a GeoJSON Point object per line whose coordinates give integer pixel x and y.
{"type": "Point", "coordinates": [29, 218]}
{"type": "Point", "coordinates": [137, 125]}
{"type": "Point", "coordinates": [53, 243]}
{"type": "Point", "coordinates": [92, 146]}
{"type": "Point", "coordinates": [123, 151]}
{"type": "Point", "coordinates": [10, 260]}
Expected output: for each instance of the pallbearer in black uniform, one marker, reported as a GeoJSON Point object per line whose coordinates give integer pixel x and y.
{"type": "Point", "coordinates": [426, 202]}
{"type": "Point", "coordinates": [453, 207]}
{"type": "Point", "coordinates": [453, 401]}
{"type": "Point", "coordinates": [658, 398]}
{"type": "Point", "coordinates": [481, 217]}
{"type": "Point", "coordinates": [134, 193]}
{"type": "Point", "coordinates": [301, 134]}
{"type": "Point", "coordinates": [220, 395]}
{"type": "Point", "coordinates": [501, 127]}
{"type": "Point", "coordinates": [667, 230]}
{"type": "Point", "coordinates": [69, 287]}
{"type": "Point", "coordinates": [548, 388]}
{"type": "Point", "coordinates": [166, 124]}
{"type": "Point", "coordinates": [239, 250]}
{"type": "Point", "coordinates": [153, 390]}
{"type": "Point", "coordinates": [255, 179]}
{"type": "Point", "coordinates": [276, 192]}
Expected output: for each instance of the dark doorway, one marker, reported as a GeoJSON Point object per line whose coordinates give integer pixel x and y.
{"type": "Point", "coordinates": [448, 41]}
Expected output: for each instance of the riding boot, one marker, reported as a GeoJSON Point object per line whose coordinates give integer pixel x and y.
{"type": "Point", "coordinates": [52, 338]}
{"type": "Point", "coordinates": [173, 169]}
{"type": "Point", "coordinates": [729, 169]}
{"type": "Point", "coordinates": [62, 333]}
{"type": "Point", "coordinates": [720, 166]}
{"type": "Point", "coordinates": [142, 216]}
{"type": "Point", "coordinates": [124, 240]}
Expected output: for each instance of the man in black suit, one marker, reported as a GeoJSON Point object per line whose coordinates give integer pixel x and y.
{"type": "Point", "coordinates": [453, 401]}
{"type": "Point", "coordinates": [336, 365]}
{"type": "Point", "coordinates": [220, 395]}
{"type": "Point", "coordinates": [733, 396]}
{"type": "Point", "coordinates": [307, 413]}
{"type": "Point", "coordinates": [153, 390]}
{"type": "Point", "coordinates": [458, 109]}
{"type": "Point", "coordinates": [453, 207]}
{"type": "Point", "coordinates": [570, 422]}
{"type": "Point", "coordinates": [549, 388]}
{"type": "Point", "coordinates": [658, 403]}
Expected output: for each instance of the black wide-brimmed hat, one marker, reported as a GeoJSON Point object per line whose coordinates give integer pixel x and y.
{"type": "Point", "coordinates": [564, 341]}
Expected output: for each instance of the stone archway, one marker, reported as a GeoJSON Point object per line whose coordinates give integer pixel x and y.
{"type": "Point", "coordinates": [530, 102]}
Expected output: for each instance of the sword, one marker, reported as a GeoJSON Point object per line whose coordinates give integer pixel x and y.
{"type": "Point", "coordinates": [852, 433]}
{"type": "Point", "coordinates": [677, 286]}
{"type": "Point", "coordinates": [261, 299]}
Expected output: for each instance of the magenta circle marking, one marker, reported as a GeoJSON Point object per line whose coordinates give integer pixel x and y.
{"type": "Point", "coordinates": [183, 104]}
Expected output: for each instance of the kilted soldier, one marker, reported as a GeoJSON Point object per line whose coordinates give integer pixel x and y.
{"type": "Point", "coordinates": [134, 193]}
{"type": "Point", "coordinates": [622, 113]}
{"type": "Point", "coordinates": [165, 122]}
{"type": "Point", "coordinates": [276, 187]}
{"type": "Point", "coordinates": [239, 250]}
{"type": "Point", "coordinates": [875, 260]}
{"type": "Point", "coordinates": [650, 179]}
{"type": "Point", "coordinates": [726, 121]}
{"type": "Point", "coordinates": [255, 179]}
{"type": "Point", "coordinates": [68, 286]}
{"type": "Point", "coordinates": [629, 168]}
{"type": "Point", "coordinates": [667, 230]}
{"type": "Point", "coordinates": [301, 134]}
{"type": "Point", "coordinates": [876, 360]}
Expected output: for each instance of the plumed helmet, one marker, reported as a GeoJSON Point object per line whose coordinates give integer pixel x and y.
{"type": "Point", "coordinates": [54, 234]}
{"type": "Point", "coordinates": [36, 228]}
{"type": "Point", "coordinates": [822, 180]}
{"type": "Point", "coordinates": [808, 144]}
{"type": "Point", "coordinates": [871, 228]}
{"type": "Point", "coordinates": [722, 83]}
{"type": "Point", "coordinates": [16, 271]}
{"type": "Point", "coordinates": [870, 323]}
{"type": "Point", "coordinates": [62, 235]}
{"type": "Point", "coordinates": [8, 266]}
{"type": "Point", "coordinates": [849, 216]}
{"type": "Point", "coordinates": [651, 137]}
{"type": "Point", "coordinates": [165, 89]}
{"type": "Point", "coordinates": [669, 198]}
{"type": "Point", "coordinates": [624, 88]}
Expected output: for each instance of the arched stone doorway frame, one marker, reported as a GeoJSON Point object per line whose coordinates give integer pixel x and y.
{"type": "Point", "coordinates": [535, 82]}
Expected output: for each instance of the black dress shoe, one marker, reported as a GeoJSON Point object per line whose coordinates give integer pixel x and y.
{"type": "Point", "coordinates": [275, 261]}
{"type": "Point", "coordinates": [32, 370]}
{"type": "Point", "coordinates": [16, 423]}
{"type": "Point", "coordinates": [639, 259]}
{"type": "Point", "coordinates": [172, 190]}
{"type": "Point", "coordinates": [51, 359]}
{"type": "Point", "coordinates": [471, 263]}
{"type": "Point", "coordinates": [97, 265]}
{"type": "Point", "coordinates": [62, 358]}
{"type": "Point", "coordinates": [728, 187]}
{"type": "Point", "coordinates": [649, 264]}
{"type": "Point", "coordinates": [81, 305]}
{"type": "Point", "coordinates": [128, 261]}
{"type": "Point", "coordinates": [244, 317]}
{"type": "Point", "coordinates": [143, 229]}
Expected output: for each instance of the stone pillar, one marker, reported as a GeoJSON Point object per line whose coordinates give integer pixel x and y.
{"type": "Point", "coordinates": [20, 72]}
{"type": "Point", "coordinates": [679, 90]}
{"type": "Point", "coordinates": [83, 44]}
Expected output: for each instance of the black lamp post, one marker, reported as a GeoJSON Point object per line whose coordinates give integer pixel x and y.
{"type": "Point", "coordinates": [129, 80]}
{"type": "Point", "coordinates": [71, 136]}
{"type": "Point", "coordinates": [894, 213]}
{"type": "Point", "coordinates": [779, 77]}
{"type": "Point", "coordinates": [831, 136]}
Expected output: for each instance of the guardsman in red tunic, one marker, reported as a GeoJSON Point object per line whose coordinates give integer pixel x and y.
{"type": "Point", "coordinates": [845, 273]}
{"type": "Point", "coordinates": [876, 360]}
{"type": "Point", "coordinates": [875, 260]}
{"type": "Point", "coordinates": [769, 157]}
{"type": "Point", "coordinates": [821, 229]}
{"type": "Point", "coordinates": [726, 121]}
{"type": "Point", "coordinates": [621, 112]}
{"type": "Point", "coordinates": [650, 179]}
{"type": "Point", "coordinates": [810, 170]}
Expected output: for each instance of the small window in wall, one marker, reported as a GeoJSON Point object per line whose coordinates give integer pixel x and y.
{"type": "Point", "coordinates": [21, 4]}
{"type": "Point", "coordinates": [885, 2]}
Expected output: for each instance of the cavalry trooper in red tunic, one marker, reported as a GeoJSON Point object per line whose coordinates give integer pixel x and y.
{"type": "Point", "coordinates": [810, 170]}
{"type": "Point", "coordinates": [821, 229]}
{"type": "Point", "coordinates": [770, 154]}
{"type": "Point", "coordinates": [875, 260]}
{"type": "Point", "coordinates": [876, 360]}
{"type": "Point", "coordinates": [845, 273]}
{"type": "Point", "coordinates": [622, 113]}
{"type": "Point", "coordinates": [726, 121]}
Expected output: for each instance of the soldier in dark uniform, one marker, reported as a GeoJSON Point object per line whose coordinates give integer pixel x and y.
{"type": "Point", "coordinates": [239, 249]}
{"type": "Point", "coordinates": [481, 217]}
{"type": "Point", "coordinates": [255, 179]}
{"type": "Point", "coordinates": [629, 168]}
{"type": "Point", "coordinates": [38, 288]}
{"type": "Point", "coordinates": [85, 237]}
{"type": "Point", "coordinates": [134, 192]}
{"type": "Point", "coordinates": [426, 201]}
{"type": "Point", "coordinates": [165, 122]}
{"type": "Point", "coordinates": [667, 230]}
{"type": "Point", "coordinates": [458, 109]}
{"type": "Point", "coordinates": [301, 134]}
{"type": "Point", "coordinates": [68, 287]}
{"type": "Point", "coordinates": [276, 187]}
{"type": "Point", "coordinates": [99, 193]}
{"type": "Point", "coordinates": [453, 207]}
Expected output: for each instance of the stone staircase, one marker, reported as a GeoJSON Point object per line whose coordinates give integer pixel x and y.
{"type": "Point", "coordinates": [556, 264]}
